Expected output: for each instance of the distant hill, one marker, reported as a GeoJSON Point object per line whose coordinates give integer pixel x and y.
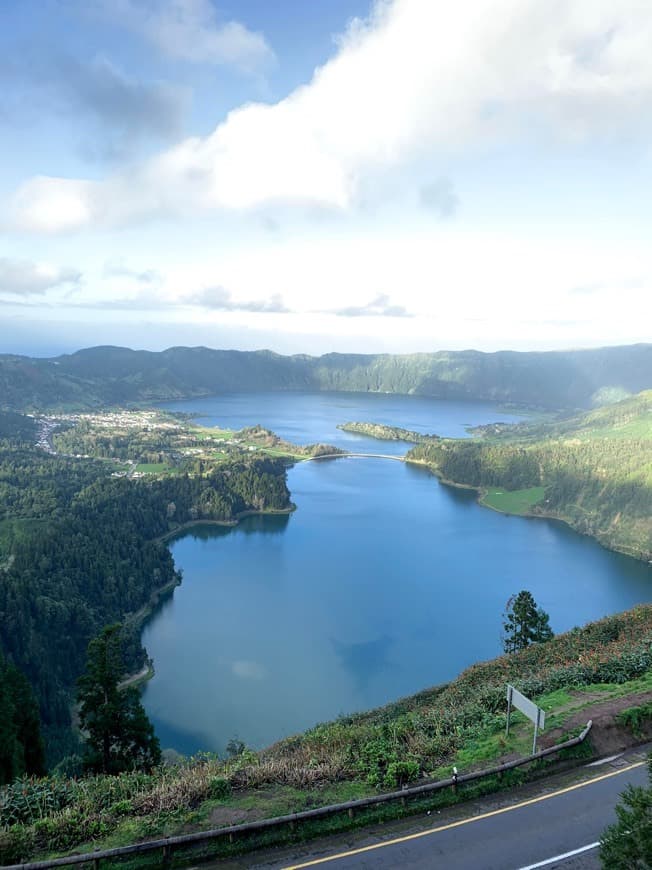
{"type": "Point", "coordinates": [115, 376]}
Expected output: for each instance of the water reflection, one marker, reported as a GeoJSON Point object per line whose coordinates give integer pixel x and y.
{"type": "Point", "coordinates": [366, 660]}
{"type": "Point", "coordinates": [265, 524]}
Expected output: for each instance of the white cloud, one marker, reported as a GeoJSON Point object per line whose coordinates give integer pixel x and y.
{"type": "Point", "coordinates": [190, 30]}
{"type": "Point", "coordinates": [24, 277]}
{"type": "Point", "coordinates": [380, 306]}
{"type": "Point", "coordinates": [417, 79]}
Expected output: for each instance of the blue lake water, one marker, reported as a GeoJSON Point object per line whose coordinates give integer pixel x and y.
{"type": "Point", "coordinates": [308, 418]}
{"type": "Point", "coordinates": [381, 583]}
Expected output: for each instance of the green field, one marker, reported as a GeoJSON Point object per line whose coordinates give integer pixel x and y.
{"type": "Point", "coordinates": [205, 433]}
{"type": "Point", "coordinates": [153, 467]}
{"type": "Point", "coordinates": [641, 428]}
{"type": "Point", "coordinates": [519, 501]}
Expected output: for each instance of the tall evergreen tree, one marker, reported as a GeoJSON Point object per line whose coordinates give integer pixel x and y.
{"type": "Point", "coordinates": [21, 745]}
{"type": "Point", "coordinates": [524, 622]}
{"type": "Point", "coordinates": [120, 736]}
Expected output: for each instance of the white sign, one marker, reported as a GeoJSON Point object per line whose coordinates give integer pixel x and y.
{"type": "Point", "coordinates": [535, 714]}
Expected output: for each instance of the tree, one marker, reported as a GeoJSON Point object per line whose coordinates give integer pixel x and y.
{"type": "Point", "coordinates": [524, 622]}
{"type": "Point", "coordinates": [21, 744]}
{"type": "Point", "coordinates": [628, 842]}
{"type": "Point", "coordinates": [120, 736]}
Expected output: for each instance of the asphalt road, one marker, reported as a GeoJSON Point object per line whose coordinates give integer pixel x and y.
{"type": "Point", "coordinates": [535, 831]}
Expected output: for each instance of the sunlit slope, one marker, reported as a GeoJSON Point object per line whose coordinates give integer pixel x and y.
{"type": "Point", "coordinates": [112, 375]}
{"type": "Point", "coordinates": [595, 470]}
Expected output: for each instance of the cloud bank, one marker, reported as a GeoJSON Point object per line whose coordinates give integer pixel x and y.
{"type": "Point", "coordinates": [26, 278]}
{"type": "Point", "coordinates": [416, 80]}
{"type": "Point", "coordinates": [191, 31]}
{"type": "Point", "coordinates": [219, 299]}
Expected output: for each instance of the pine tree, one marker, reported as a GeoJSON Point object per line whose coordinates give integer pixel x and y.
{"type": "Point", "coordinates": [21, 744]}
{"type": "Point", "coordinates": [628, 842]}
{"type": "Point", "coordinates": [524, 622]}
{"type": "Point", "coordinates": [120, 736]}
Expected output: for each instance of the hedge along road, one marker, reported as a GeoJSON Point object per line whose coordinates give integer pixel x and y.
{"type": "Point", "coordinates": [559, 828]}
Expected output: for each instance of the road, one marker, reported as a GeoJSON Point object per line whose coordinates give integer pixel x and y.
{"type": "Point", "coordinates": [558, 827]}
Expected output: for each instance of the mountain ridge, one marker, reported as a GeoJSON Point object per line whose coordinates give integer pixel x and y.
{"type": "Point", "coordinates": [110, 375]}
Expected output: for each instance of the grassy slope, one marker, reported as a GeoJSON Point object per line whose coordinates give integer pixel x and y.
{"type": "Point", "coordinates": [520, 501]}
{"type": "Point", "coordinates": [462, 723]}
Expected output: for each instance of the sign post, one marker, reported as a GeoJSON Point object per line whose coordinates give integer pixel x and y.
{"type": "Point", "coordinates": [529, 708]}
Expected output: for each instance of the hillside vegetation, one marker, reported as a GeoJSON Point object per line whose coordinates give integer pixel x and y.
{"type": "Point", "coordinates": [81, 547]}
{"type": "Point", "coordinates": [109, 376]}
{"type": "Point", "coordinates": [385, 433]}
{"type": "Point", "coordinates": [594, 471]}
{"type": "Point", "coordinates": [462, 723]}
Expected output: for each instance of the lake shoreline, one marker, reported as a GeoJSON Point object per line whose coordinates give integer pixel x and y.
{"type": "Point", "coordinates": [139, 619]}
{"type": "Point", "coordinates": [543, 515]}
{"type": "Point", "coordinates": [227, 524]}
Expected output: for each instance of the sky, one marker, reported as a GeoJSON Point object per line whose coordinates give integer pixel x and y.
{"type": "Point", "coordinates": [331, 175]}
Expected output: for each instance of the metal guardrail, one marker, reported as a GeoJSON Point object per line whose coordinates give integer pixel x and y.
{"type": "Point", "coordinates": [168, 844]}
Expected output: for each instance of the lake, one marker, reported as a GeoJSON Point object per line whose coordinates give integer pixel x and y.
{"type": "Point", "coordinates": [381, 583]}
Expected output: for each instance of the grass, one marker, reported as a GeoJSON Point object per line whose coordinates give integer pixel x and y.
{"type": "Point", "coordinates": [519, 501]}
{"type": "Point", "coordinates": [204, 433]}
{"type": "Point", "coordinates": [641, 428]}
{"type": "Point", "coordinates": [635, 717]}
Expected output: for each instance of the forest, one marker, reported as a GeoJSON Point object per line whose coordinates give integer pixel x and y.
{"type": "Point", "coordinates": [80, 548]}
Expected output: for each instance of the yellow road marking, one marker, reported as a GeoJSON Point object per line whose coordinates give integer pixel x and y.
{"type": "Point", "coordinates": [478, 818]}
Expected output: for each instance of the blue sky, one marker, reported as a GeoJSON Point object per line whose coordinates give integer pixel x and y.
{"type": "Point", "coordinates": [400, 175]}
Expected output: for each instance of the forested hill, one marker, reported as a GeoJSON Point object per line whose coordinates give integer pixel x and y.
{"type": "Point", "coordinates": [81, 548]}
{"type": "Point", "coordinates": [113, 376]}
{"type": "Point", "coordinates": [594, 470]}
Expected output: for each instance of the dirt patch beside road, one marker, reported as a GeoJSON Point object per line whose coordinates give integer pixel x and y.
{"type": "Point", "coordinates": [607, 736]}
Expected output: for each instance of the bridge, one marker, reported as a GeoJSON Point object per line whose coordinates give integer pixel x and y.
{"type": "Point", "coordinates": [356, 456]}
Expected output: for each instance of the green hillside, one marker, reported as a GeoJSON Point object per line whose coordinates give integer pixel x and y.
{"type": "Point", "coordinates": [113, 376]}
{"type": "Point", "coordinates": [593, 470]}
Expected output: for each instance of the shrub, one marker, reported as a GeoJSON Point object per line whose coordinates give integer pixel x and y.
{"type": "Point", "coordinates": [220, 787]}
{"type": "Point", "coordinates": [401, 772]}
{"type": "Point", "coordinates": [16, 845]}
{"type": "Point", "coordinates": [634, 718]}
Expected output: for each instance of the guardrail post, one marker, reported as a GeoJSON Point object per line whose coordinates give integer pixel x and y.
{"type": "Point", "coordinates": [167, 855]}
{"type": "Point", "coordinates": [350, 812]}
